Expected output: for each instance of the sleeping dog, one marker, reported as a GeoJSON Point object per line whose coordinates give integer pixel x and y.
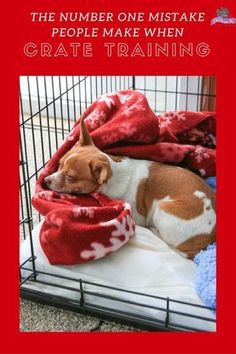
{"type": "Point", "coordinates": [174, 201]}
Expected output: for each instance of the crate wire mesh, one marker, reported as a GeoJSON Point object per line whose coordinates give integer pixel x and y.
{"type": "Point", "coordinates": [49, 106]}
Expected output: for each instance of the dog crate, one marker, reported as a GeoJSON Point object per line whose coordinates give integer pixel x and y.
{"type": "Point", "coordinates": [49, 105]}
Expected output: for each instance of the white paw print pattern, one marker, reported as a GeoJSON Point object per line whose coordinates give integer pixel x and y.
{"type": "Point", "coordinates": [108, 99]}
{"type": "Point", "coordinates": [165, 121]}
{"type": "Point", "coordinates": [125, 228]}
{"type": "Point", "coordinates": [79, 211]}
{"type": "Point", "coordinates": [179, 116]}
{"type": "Point", "coordinates": [68, 197]}
{"type": "Point", "coordinates": [200, 153]}
{"type": "Point", "coordinates": [52, 219]}
{"type": "Point", "coordinates": [127, 128]}
{"type": "Point", "coordinates": [124, 98]}
{"type": "Point", "coordinates": [71, 135]}
{"type": "Point", "coordinates": [129, 110]}
{"type": "Point", "coordinates": [96, 119]}
{"type": "Point", "coordinates": [46, 195]}
{"type": "Point", "coordinates": [167, 118]}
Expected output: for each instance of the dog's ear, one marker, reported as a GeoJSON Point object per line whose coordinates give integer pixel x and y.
{"type": "Point", "coordinates": [85, 138]}
{"type": "Point", "coordinates": [100, 170]}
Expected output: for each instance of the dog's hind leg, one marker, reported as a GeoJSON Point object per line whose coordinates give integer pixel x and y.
{"type": "Point", "coordinates": [187, 225]}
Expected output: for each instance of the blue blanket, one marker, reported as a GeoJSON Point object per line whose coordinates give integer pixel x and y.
{"type": "Point", "coordinates": [212, 182]}
{"type": "Point", "coordinates": [205, 282]}
{"type": "Point", "coordinates": [206, 275]}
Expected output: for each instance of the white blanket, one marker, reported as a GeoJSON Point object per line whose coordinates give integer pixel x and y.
{"type": "Point", "coordinates": [146, 265]}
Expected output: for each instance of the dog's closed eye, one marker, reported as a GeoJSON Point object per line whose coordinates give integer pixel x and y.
{"type": "Point", "coordinates": [70, 178]}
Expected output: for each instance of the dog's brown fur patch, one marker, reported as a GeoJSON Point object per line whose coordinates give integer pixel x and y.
{"type": "Point", "coordinates": [177, 183]}
{"type": "Point", "coordinates": [195, 244]}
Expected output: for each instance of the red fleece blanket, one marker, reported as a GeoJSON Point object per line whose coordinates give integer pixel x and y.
{"type": "Point", "coordinates": [80, 228]}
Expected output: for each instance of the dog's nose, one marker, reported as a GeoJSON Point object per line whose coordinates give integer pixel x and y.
{"type": "Point", "coordinates": [47, 181]}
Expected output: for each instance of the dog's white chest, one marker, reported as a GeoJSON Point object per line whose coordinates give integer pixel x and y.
{"type": "Point", "coordinates": [124, 183]}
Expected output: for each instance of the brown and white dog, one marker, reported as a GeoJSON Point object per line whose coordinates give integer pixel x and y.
{"type": "Point", "coordinates": [173, 200]}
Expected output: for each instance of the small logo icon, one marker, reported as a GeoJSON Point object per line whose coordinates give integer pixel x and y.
{"type": "Point", "coordinates": [223, 17]}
